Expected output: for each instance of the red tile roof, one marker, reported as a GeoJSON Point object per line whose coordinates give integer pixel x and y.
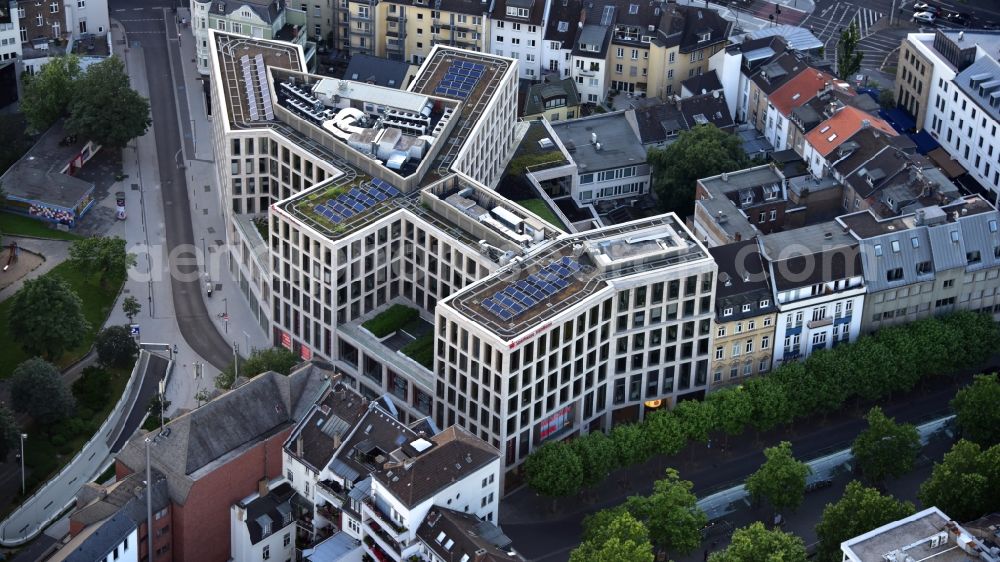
{"type": "Point", "coordinates": [802, 88]}
{"type": "Point", "coordinates": [831, 133]}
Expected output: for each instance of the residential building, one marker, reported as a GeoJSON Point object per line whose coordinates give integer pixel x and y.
{"type": "Point", "coordinates": [744, 314]}
{"type": "Point", "coordinates": [659, 123]}
{"type": "Point", "coordinates": [555, 101]}
{"type": "Point", "coordinates": [607, 155]}
{"type": "Point", "coordinates": [110, 522]}
{"type": "Point", "coordinates": [790, 95]}
{"type": "Point", "coordinates": [517, 30]}
{"type": "Point", "coordinates": [449, 533]}
{"type": "Point", "coordinates": [811, 115]}
{"type": "Point", "coordinates": [380, 72]}
{"type": "Point", "coordinates": [962, 105]}
{"type": "Point", "coordinates": [56, 27]}
{"type": "Point", "coordinates": [830, 134]}
{"type": "Point", "coordinates": [615, 322]}
{"type": "Point", "coordinates": [560, 31]}
{"type": "Point", "coordinates": [407, 30]}
{"type": "Point", "coordinates": [212, 457]}
{"type": "Point", "coordinates": [376, 479]}
{"type": "Point", "coordinates": [934, 260]}
{"type": "Point", "coordinates": [737, 206]}
{"type": "Point", "coordinates": [700, 84]}
{"type": "Point", "coordinates": [767, 79]}
{"type": "Point", "coordinates": [737, 64]}
{"type": "Point", "coordinates": [686, 39]}
{"type": "Point", "coordinates": [927, 534]}
{"type": "Point", "coordinates": [260, 19]}
{"type": "Point", "coordinates": [818, 282]}
{"type": "Point", "coordinates": [263, 524]}
{"type": "Point", "coordinates": [10, 32]}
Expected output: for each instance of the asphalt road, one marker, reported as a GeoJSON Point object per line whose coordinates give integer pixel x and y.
{"type": "Point", "coordinates": [144, 23]}
{"type": "Point", "coordinates": [553, 539]}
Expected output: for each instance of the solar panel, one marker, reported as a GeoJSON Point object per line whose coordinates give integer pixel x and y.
{"type": "Point", "coordinates": [516, 308]}
{"type": "Point", "coordinates": [320, 208]}
{"type": "Point", "coordinates": [355, 192]}
{"type": "Point", "coordinates": [561, 283]}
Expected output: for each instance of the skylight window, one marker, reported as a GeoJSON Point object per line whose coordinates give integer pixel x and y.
{"type": "Point", "coordinates": [796, 96]}
{"type": "Point", "coordinates": [633, 9]}
{"type": "Point", "coordinates": [824, 129]}
{"type": "Point", "coordinates": [831, 137]}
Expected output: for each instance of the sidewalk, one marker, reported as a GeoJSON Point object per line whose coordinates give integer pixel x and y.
{"type": "Point", "coordinates": [539, 532]}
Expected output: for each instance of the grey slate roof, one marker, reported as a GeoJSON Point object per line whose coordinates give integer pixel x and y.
{"type": "Point", "coordinates": [539, 93]}
{"type": "Point", "coordinates": [620, 143]}
{"type": "Point", "coordinates": [102, 540]}
{"type": "Point", "coordinates": [271, 509]}
{"type": "Point", "coordinates": [985, 73]}
{"type": "Point", "coordinates": [37, 177]}
{"type": "Point", "coordinates": [810, 255]}
{"type": "Point", "coordinates": [205, 439]}
{"type": "Point", "coordinates": [377, 70]}
{"type": "Point", "coordinates": [742, 280]}
{"type": "Point", "coordinates": [267, 10]}
{"type": "Point", "coordinates": [702, 83]}
{"type": "Point", "coordinates": [472, 539]}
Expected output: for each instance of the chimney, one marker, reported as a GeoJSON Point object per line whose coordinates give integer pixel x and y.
{"type": "Point", "coordinates": [739, 236]}
{"type": "Point", "coordinates": [298, 446]}
{"type": "Point", "coordinates": [336, 440]}
{"type": "Point", "coordinates": [262, 487]}
{"type": "Point", "coordinates": [725, 176]}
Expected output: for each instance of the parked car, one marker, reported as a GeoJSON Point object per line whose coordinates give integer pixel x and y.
{"type": "Point", "coordinates": [925, 7]}
{"type": "Point", "coordinates": [957, 18]}
{"type": "Point", "coordinates": [924, 17]}
{"type": "Point", "coordinates": [819, 484]}
{"type": "Point", "coordinates": [990, 25]}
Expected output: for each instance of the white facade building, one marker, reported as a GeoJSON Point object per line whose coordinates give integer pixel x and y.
{"type": "Point", "coordinates": [818, 282]}
{"type": "Point", "coordinates": [925, 535]}
{"type": "Point", "coordinates": [517, 29]}
{"type": "Point", "coordinates": [10, 33]}
{"type": "Point", "coordinates": [262, 526]}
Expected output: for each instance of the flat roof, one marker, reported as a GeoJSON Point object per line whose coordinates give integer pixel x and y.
{"type": "Point", "coordinates": [37, 176]}
{"type": "Point", "coordinates": [917, 537]}
{"type": "Point", "coordinates": [619, 142]}
{"type": "Point", "coordinates": [545, 284]}
{"type": "Point", "coordinates": [230, 51]}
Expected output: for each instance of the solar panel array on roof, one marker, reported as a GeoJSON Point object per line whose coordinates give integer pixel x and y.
{"type": "Point", "coordinates": [248, 84]}
{"type": "Point", "coordinates": [265, 92]}
{"type": "Point", "coordinates": [356, 201]}
{"type": "Point", "coordinates": [513, 300]}
{"type": "Point", "coordinates": [460, 79]}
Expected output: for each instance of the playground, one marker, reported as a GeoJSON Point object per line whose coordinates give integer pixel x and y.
{"type": "Point", "coordinates": [15, 263]}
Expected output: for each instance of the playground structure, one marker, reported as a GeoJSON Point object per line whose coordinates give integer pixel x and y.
{"type": "Point", "coordinates": [13, 251]}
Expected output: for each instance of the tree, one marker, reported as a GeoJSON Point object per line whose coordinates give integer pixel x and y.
{"type": "Point", "coordinates": [781, 480]}
{"type": "Point", "coordinates": [633, 444]}
{"type": "Point", "coordinates": [848, 56]}
{"type": "Point", "coordinates": [886, 98]}
{"type": "Point", "coordinates": [37, 388]}
{"type": "Point", "coordinates": [758, 544]}
{"type": "Point", "coordinates": [697, 419]}
{"type": "Point", "coordinates": [858, 511]}
{"type": "Point", "coordinates": [105, 108]}
{"type": "Point", "coordinates": [102, 254]}
{"type": "Point", "coordinates": [619, 538]}
{"type": "Point", "coordinates": [698, 153]}
{"type": "Point", "coordinates": [733, 410]}
{"type": "Point", "coordinates": [116, 347]}
{"type": "Point", "coordinates": [10, 432]}
{"type": "Point", "coordinates": [886, 449]}
{"type": "Point", "coordinates": [770, 405]}
{"type": "Point", "coordinates": [554, 470]}
{"type": "Point", "coordinates": [598, 456]}
{"type": "Point", "coordinates": [966, 483]}
{"type": "Point", "coordinates": [48, 92]}
{"type": "Point", "coordinates": [131, 307]}
{"type": "Point", "coordinates": [665, 432]}
{"type": "Point", "coordinates": [976, 411]}
{"type": "Point", "coordinates": [46, 317]}
{"type": "Point", "coordinates": [277, 359]}
{"type": "Point", "coordinates": [670, 513]}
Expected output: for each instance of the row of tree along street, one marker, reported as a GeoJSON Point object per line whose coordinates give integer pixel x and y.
{"type": "Point", "coordinates": [892, 360]}
{"type": "Point", "coordinates": [965, 484]}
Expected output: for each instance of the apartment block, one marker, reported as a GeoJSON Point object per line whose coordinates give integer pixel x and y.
{"type": "Point", "coordinates": [741, 205]}
{"type": "Point", "coordinates": [263, 525]}
{"type": "Point", "coordinates": [517, 29]}
{"type": "Point", "coordinates": [818, 285]}
{"type": "Point", "coordinates": [259, 19]}
{"type": "Point", "coordinates": [408, 30]}
{"type": "Point", "coordinates": [935, 260]}
{"type": "Point", "coordinates": [744, 314]}
{"type": "Point", "coordinates": [961, 109]}
{"type": "Point", "coordinates": [10, 32]}
{"type": "Point", "coordinates": [598, 328]}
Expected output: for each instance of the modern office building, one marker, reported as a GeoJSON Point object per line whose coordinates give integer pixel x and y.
{"type": "Point", "coordinates": [744, 314]}
{"type": "Point", "coordinates": [950, 78]}
{"type": "Point", "coordinates": [926, 535]}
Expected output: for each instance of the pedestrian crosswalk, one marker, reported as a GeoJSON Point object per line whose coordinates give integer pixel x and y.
{"type": "Point", "coordinates": [865, 19]}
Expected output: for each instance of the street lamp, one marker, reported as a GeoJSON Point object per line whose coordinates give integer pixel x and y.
{"type": "Point", "coordinates": [225, 313]}
{"type": "Point", "coordinates": [204, 257]}
{"type": "Point", "coordinates": [23, 488]}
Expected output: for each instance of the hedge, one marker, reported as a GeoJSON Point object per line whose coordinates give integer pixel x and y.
{"type": "Point", "coordinates": [390, 320]}
{"type": "Point", "coordinates": [894, 359]}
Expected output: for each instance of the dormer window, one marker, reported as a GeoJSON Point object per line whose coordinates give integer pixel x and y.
{"type": "Point", "coordinates": [633, 9]}
{"type": "Point", "coordinates": [727, 311]}
{"type": "Point", "coordinates": [517, 12]}
{"type": "Point", "coordinates": [702, 37]}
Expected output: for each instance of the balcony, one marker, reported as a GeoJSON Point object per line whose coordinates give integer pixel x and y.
{"type": "Point", "coordinates": [375, 551]}
{"type": "Point", "coordinates": [391, 33]}
{"type": "Point", "coordinates": [826, 321]}
{"type": "Point", "coordinates": [392, 528]}
{"type": "Point", "coordinates": [384, 540]}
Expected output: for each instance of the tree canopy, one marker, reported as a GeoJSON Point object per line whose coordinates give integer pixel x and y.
{"type": "Point", "coordinates": [858, 511]}
{"type": "Point", "coordinates": [554, 470]}
{"type": "Point", "coordinates": [9, 432]}
{"type": "Point", "coordinates": [104, 255]}
{"type": "Point", "coordinates": [756, 543]}
{"type": "Point", "coordinates": [886, 449]}
{"type": "Point", "coordinates": [966, 483]}
{"type": "Point", "coordinates": [976, 410]}
{"type": "Point", "coordinates": [670, 513]}
{"type": "Point", "coordinates": [781, 480]}
{"type": "Point", "coordinates": [46, 317]}
{"type": "Point", "coordinates": [104, 108]}
{"type": "Point", "coordinates": [848, 56]}
{"type": "Point", "coordinates": [613, 536]}
{"type": "Point", "coordinates": [48, 92]}
{"type": "Point", "coordinates": [700, 152]}
{"type": "Point", "coordinates": [131, 307]}
{"type": "Point", "coordinates": [277, 359]}
{"type": "Point", "coordinates": [116, 347]}
{"type": "Point", "coordinates": [598, 456]}
{"type": "Point", "coordinates": [37, 388]}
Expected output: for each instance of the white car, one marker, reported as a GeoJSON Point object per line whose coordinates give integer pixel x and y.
{"type": "Point", "coordinates": [924, 17]}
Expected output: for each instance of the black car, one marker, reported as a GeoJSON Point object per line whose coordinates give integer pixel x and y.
{"type": "Point", "coordinates": [957, 18]}
{"type": "Point", "coordinates": [819, 484]}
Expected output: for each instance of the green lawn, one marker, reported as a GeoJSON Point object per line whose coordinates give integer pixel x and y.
{"type": "Point", "coordinates": [421, 350]}
{"type": "Point", "coordinates": [19, 225]}
{"type": "Point", "coordinates": [539, 207]}
{"type": "Point", "coordinates": [97, 303]}
{"type": "Point", "coordinates": [390, 320]}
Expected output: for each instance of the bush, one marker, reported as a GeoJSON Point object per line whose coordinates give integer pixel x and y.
{"type": "Point", "coordinates": [421, 350]}
{"type": "Point", "coordinates": [85, 414]}
{"type": "Point", "coordinates": [91, 390]}
{"type": "Point", "coordinates": [390, 320]}
{"type": "Point", "coordinates": [892, 360]}
{"type": "Point", "coordinates": [58, 440]}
